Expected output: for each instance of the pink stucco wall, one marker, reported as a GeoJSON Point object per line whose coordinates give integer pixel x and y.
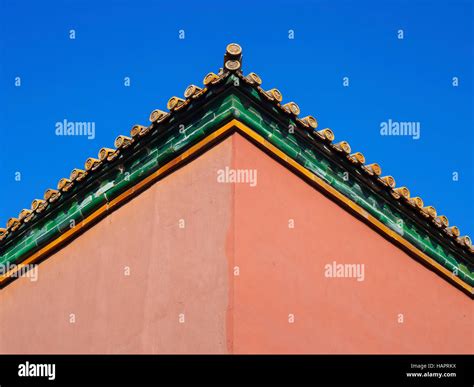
{"type": "Point", "coordinates": [173, 271]}
{"type": "Point", "coordinates": [244, 278]}
{"type": "Point", "coordinates": [282, 272]}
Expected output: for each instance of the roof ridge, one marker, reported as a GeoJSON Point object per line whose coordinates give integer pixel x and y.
{"type": "Point", "coordinates": [309, 124]}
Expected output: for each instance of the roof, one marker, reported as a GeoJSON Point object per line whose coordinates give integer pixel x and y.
{"type": "Point", "coordinates": [231, 99]}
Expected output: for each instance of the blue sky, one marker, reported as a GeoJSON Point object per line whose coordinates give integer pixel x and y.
{"type": "Point", "coordinates": [82, 79]}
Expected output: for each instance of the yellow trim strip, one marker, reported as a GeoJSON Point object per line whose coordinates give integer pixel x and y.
{"type": "Point", "coordinates": [270, 147]}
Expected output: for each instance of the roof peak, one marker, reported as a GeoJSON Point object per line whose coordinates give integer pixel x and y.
{"type": "Point", "coordinates": [303, 128]}
{"type": "Point", "coordinates": [233, 57]}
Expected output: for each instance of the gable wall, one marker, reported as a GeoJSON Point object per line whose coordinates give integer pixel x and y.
{"type": "Point", "coordinates": [191, 270]}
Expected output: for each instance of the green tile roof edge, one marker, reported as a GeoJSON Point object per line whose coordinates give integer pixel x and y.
{"type": "Point", "coordinates": [220, 105]}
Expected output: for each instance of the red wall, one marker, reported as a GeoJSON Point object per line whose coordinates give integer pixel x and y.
{"type": "Point", "coordinates": [282, 273]}
{"type": "Point", "coordinates": [191, 270]}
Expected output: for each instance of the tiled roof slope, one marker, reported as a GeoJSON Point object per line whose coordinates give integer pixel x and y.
{"type": "Point", "coordinates": [226, 96]}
